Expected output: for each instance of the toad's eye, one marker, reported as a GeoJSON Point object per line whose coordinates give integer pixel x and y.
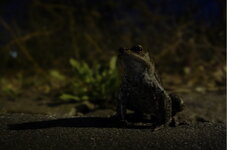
{"type": "Point", "coordinates": [137, 48]}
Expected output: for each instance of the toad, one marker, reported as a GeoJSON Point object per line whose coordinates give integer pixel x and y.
{"type": "Point", "coordinates": [141, 89]}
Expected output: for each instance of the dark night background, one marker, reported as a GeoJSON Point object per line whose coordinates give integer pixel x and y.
{"type": "Point", "coordinates": [144, 22]}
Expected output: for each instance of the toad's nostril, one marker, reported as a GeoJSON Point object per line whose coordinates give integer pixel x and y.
{"type": "Point", "coordinates": [122, 50]}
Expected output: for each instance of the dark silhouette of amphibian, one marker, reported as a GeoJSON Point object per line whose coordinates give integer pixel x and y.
{"type": "Point", "coordinates": [141, 90]}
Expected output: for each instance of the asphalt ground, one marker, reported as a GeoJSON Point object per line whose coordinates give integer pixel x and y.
{"type": "Point", "coordinates": [42, 132]}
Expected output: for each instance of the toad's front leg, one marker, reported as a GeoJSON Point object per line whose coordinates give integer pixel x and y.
{"type": "Point", "coordinates": [121, 109]}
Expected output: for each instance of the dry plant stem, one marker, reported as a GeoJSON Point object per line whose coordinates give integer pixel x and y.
{"type": "Point", "coordinates": [27, 37]}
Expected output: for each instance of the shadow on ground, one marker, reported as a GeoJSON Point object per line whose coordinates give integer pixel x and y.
{"type": "Point", "coordinates": [83, 122]}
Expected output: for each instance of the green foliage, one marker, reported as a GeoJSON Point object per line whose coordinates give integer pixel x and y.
{"type": "Point", "coordinates": [11, 87]}
{"type": "Point", "coordinates": [56, 75]}
{"type": "Point", "coordinates": [96, 84]}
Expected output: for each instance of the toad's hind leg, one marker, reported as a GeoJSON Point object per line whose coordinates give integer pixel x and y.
{"type": "Point", "coordinates": [165, 110]}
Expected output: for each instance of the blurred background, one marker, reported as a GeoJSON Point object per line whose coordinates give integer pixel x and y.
{"type": "Point", "coordinates": [59, 57]}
